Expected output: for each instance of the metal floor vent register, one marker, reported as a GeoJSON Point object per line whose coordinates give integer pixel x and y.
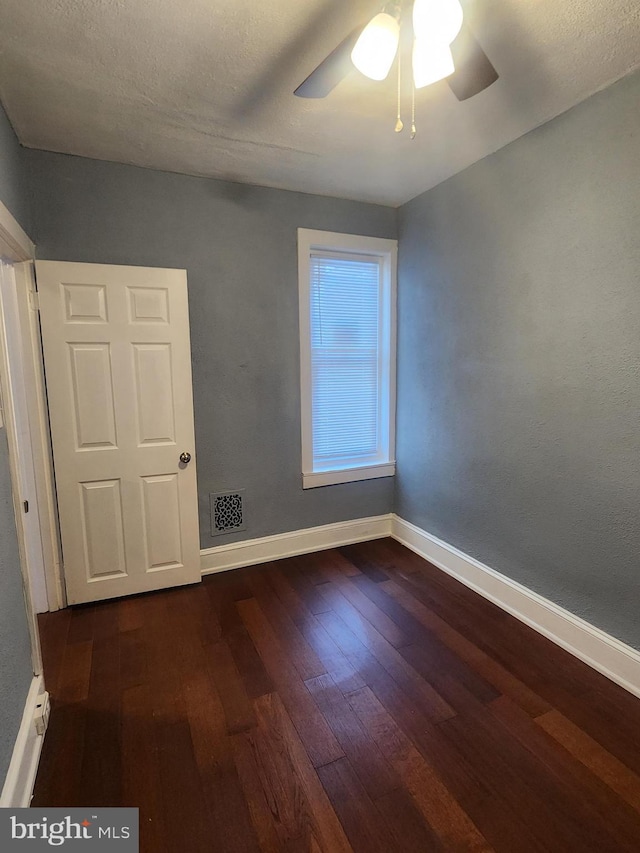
{"type": "Point", "coordinates": [227, 512]}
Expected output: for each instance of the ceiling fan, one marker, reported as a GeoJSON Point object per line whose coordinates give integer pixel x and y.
{"type": "Point", "coordinates": [443, 48]}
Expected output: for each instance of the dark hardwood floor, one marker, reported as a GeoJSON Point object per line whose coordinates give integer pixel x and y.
{"type": "Point", "coordinates": [357, 699]}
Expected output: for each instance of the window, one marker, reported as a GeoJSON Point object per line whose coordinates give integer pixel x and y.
{"type": "Point", "coordinates": [347, 346]}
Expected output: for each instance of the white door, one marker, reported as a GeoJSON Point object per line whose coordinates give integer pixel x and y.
{"type": "Point", "coordinates": [118, 370]}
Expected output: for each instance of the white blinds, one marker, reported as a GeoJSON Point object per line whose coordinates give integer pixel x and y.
{"type": "Point", "coordinates": [345, 359]}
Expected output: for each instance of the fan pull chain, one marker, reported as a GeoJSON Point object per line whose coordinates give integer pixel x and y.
{"type": "Point", "coordinates": [399, 124]}
{"type": "Point", "coordinates": [413, 112]}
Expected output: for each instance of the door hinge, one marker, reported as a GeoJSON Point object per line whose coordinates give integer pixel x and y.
{"type": "Point", "coordinates": [25, 505]}
{"type": "Point", "coordinates": [34, 301]}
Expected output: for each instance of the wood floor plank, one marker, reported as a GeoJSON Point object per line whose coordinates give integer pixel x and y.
{"type": "Point", "coordinates": [140, 611]}
{"type": "Point", "coordinates": [486, 666]}
{"type": "Point", "coordinates": [336, 663]}
{"type": "Point", "coordinates": [224, 590]}
{"type": "Point", "coordinates": [515, 776]}
{"type": "Point", "coordinates": [286, 798]}
{"type": "Point", "coordinates": [515, 646]}
{"type": "Point", "coordinates": [362, 605]}
{"type": "Point", "coordinates": [214, 753]}
{"type": "Point", "coordinates": [101, 772]}
{"type": "Point", "coordinates": [410, 831]}
{"type": "Point", "coordinates": [223, 598]}
{"type": "Point", "coordinates": [333, 660]}
{"type": "Point", "coordinates": [371, 767]}
{"type": "Point", "coordinates": [206, 717]}
{"type": "Point", "coordinates": [133, 658]}
{"type": "Point", "coordinates": [59, 772]}
{"type": "Point", "coordinates": [412, 628]}
{"type": "Point", "coordinates": [183, 799]}
{"type": "Point", "coordinates": [483, 621]}
{"type": "Point", "coordinates": [287, 594]}
{"type": "Point", "coordinates": [330, 835]}
{"type": "Point", "coordinates": [255, 677]}
{"type": "Point", "coordinates": [130, 614]}
{"type": "Point", "coordinates": [434, 655]}
{"type": "Point", "coordinates": [316, 735]}
{"type": "Point", "coordinates": [304, 658]}
{"type": "Point", "coordinates": [406, 564]}
{"type": "Point", "coordinates": [605, 726]}
{"type": "Point", "coordinates": [54, 632]}
{"type": "Point", "coordinates": [237, 704]}
{"type": "Point", "coordinates": [311, 566]}
{"type": "Point", "coordinates": [167, 652]}
{"type": "Point", "coordinates": [81, 623]}
{"type": "Point", "coordinates": [199, 605]}
{"type": "Point", "coordinates": [230, 814]}
{"type": "Point", "coordinates": [454, 681]}
{"type": "Point", "coordinates": [363, 823]}
{"type": "Point", "coordinates": [621, 703]}
{"type": "Point", "coordinates": [368, 559]}
{"type": "Point", "coordinates": [605, 766]}
{"type": "Point", "coordinates": [260, 809]}
{"type": "Point", "coordinates": [573, 784]}
{"type": "Point", "coordinates": [509, 643]}
{"type": "Point", "coordinates": [75, 672]}
{"type": "Point", "coordinates": [292, 569]}
{"type": "Point", "coordinates": [388, 656]}
{"type": "Point", "coordinates": [436, 803]}
{"type": "Point", "coordinates": [106, 620]}
{"type": "Point", "coordinates": [141, 768]}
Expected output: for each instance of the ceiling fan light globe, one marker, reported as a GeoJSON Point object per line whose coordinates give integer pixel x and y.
{"type": "Point", "coordinates": [437, 20]}
{"type": "Point", "coordinates": [432, 61]}
{"type": "Point", "coordinates": [376, 48]}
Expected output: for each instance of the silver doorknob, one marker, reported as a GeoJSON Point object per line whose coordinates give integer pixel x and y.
{"type": "Point", "coordinates": [185, 457]}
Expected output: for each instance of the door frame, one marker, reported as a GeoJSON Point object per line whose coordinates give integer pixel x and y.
{"type": "Point", "coordinates": [38, 416]}
{"type": "Point", "coordinates": [19, 250]}
{"type": "Point", "coordinates": [15, 246]}
{"type": "Point", "coordinates": [14, 386]}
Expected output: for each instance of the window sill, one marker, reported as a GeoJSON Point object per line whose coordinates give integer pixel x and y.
{"type": "Point", "coordinates": [347, 475]}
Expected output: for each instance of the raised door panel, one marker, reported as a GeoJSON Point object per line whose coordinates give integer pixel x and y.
{"type": "Point", "coordinates": [92, 382]}
{"type": "Point", "coordinates": [154, 393]}
{"type": "Point", "coordinates": [162, 522]}
{"type": "Point", "coordinates": [103, 530]}
{"type": "Point", "coordinates": [85, 303]}
{"type": "Point", "coordinates": [148, 305]}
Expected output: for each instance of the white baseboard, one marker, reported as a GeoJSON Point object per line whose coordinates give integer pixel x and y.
{"type": "Point", "coordinates": [21, 776]}
{"type": "Point", "coordinates": [250, 552]}
{"type": "Point", "coordinates": [612, 658]}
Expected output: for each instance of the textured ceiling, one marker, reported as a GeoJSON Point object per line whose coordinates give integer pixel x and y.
{"type": "Point", "coordinates": [205, 87]}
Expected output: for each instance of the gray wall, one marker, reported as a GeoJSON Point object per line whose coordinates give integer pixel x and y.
{"type": "Point", "coordinates": [238, 245]}
{"type": "Point", "coordinates": [519, 360]}
{"type": "Point", "coordinates": [15, 647]}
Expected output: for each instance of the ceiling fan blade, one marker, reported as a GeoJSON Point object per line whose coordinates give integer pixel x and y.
{"type": "Point", "coordinates": [331, 70]}
{"type": "Point", "coordinates": [474, 72]}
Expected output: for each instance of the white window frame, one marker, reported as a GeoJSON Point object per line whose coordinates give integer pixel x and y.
{"type": "Point", "coordinates": [387, 251]}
